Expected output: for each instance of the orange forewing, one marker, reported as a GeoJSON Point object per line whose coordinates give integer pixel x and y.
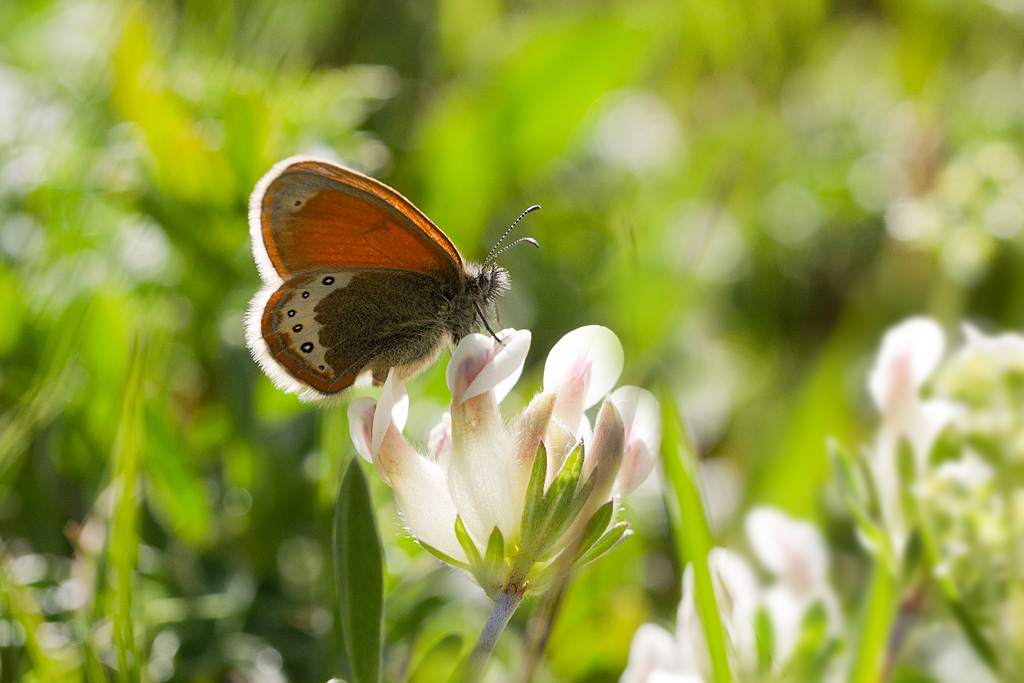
{"type": "Point", "coordinates": [348, 220]}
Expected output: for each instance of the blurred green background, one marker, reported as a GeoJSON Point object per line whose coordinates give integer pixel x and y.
{"type": "Point", "coordinates": [748, 194]}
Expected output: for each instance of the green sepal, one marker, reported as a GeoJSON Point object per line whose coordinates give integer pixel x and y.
{"type": "Point", "coordinates": [467, 544]}
{"type": "Point", "coordinates": [765, 633]}
{"type": "Point", "coordinates": [494, 556]}
{"type": "Point", "coordinates": [534, 504]}
{"type": "Point", "coordinates": [444, 557]}
{"type": "Point", "coordinates": [858, 492]}
{"type": "Point", "coordinates": [814, 648]}
{"type": "Point", "coordinates": [906, 466]}
{"type": "Point", "coordinates": [911, 563]}
{"type": "Point", "coordinates": [596, 526]}
{"type": "Point", "coordinates": [851, 479]}
{"type": "Point", "coordinates": [563, 488]}
{"type": "Point", "coordinates": [611, 538]}
{"type": "Point", "coordinates": [563, 501]}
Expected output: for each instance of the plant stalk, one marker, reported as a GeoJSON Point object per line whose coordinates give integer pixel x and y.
{"type": "Point", "coordinates": [504, 608]}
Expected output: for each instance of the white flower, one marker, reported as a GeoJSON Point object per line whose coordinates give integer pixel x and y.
{"type": "Point", "coordinates": [481, 497]}
{"type": "Point", "coordinates": [909, 354]}
{"type": "Point", "coordinates": [796, 556]}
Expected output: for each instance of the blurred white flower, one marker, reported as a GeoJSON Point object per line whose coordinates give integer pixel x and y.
{"type": "Point", "coordinates": [948, 493]}
{"type": "Point", "coordinates": [796, 556]}
{"type": "Point", "coordinates": [909, 354]}
{"type": "Point", "coordinates": [503, 502]}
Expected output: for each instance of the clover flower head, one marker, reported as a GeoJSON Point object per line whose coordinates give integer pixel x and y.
{"type": "Point", "coordinates": [514, 504]}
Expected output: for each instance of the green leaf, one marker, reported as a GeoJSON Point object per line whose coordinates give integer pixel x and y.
{"type": "Point", "coordinates": [948, 446]}
{"type": "Point", "coordinates": [874, 624]}
{"type": "Point", "coordinates": [975, 635]}
{"type": "Point", "coordinates": [467, 544]}
{"type": "Point", "coordinates": [690, 530]}
{"type": "Point", "coordinates": [359, 574]}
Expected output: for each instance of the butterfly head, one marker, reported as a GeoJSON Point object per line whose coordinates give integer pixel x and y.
{"type": "Point", "coordinates": [486, 283]}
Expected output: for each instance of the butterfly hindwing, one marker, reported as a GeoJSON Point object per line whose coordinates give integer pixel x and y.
{"type": "Point", "coordinates": [326, 329]}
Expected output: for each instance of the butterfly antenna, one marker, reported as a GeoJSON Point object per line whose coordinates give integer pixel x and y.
{"type": "Point", "coordinates": [528, 240]}
{"type": "Point", "coordinates": [494, 250]}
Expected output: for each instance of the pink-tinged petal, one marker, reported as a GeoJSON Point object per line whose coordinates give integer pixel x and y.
{"type": "Point", "coordinates": [559, 441]}
{"type": "Point", "coordinates": [589, 358]}
{"type": "Point", "coordinates": [652, 652]}
{"type": "Point", "coordinates": [531, 427]}
{"type": "Point", "coordinates": [529, 430]}
{"type": "Point", "coordinates": [641, 417]}
{"type": "Point", "coordinates": [482, 364]}
{"type": "Point", "coordinates": [360, 425]}
{"type": "Point", "coordinates": [439, 444]}
{"type": "Point", "coordinates": [793, 550]}
{"type": "Point", "coordinates": [392, 408]}
{"type": "Point", "coordinates": [604, 457]}
{"type": "Point", "coordinates": [908, 356]}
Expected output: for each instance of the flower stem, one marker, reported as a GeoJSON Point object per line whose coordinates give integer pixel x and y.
{"type": "Point", "coordinates": [504, 608]}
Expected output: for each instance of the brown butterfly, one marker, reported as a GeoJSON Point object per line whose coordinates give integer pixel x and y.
{"type": "Point", "coordinates": [358, 281]}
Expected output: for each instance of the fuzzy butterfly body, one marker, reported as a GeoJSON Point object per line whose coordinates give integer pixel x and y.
{"type": "Point", "coordinates": [357, 281]}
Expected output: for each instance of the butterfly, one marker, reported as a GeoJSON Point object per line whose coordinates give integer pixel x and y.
{"type": "Point", "coordinates": [356, 281]}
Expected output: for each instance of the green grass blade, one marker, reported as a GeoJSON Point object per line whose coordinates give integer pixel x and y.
{"type": "Point", "coordinates": [692, 535]}
{"type": "Point", "coordinates": [874, 625]}
{"type": "Point", "coordinates": [359, 573]}
{"type": "Point", "coordinates": [124, 542]}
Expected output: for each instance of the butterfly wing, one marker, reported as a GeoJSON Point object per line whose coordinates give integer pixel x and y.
{"type": "Point", "coordinates": [325, 330]}
{"type": "Point", "coordinates": [307, 214]}
{"type": "Point", "coordinates": [355, 278]}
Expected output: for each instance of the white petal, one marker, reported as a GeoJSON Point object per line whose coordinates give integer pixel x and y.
{"type": "Point", "coordinates": [481, 364]}
{"type": "Point", "coordinates": [738, 596]}
{"type": "Point", "coordinates": [736, 587]}
{"type": "Point", "coordinates": [360, 425]}
{"type": "Point", "coordinates": [909, 354]}
{"type": "Point", "coordinates": [970, 471]}
{"type": "Point", "coordinates": [422, 492]}
{"type": "Point", "coordinates": [592, 353]}
{"type": "Point", "coordinates": [502, 388]}
{"type": "Point", "coordinates": [653, 650]}
{"type": "Point", "coordinates": [481, 468]}
{"type": "Point", "coordinates": [792, 550]}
